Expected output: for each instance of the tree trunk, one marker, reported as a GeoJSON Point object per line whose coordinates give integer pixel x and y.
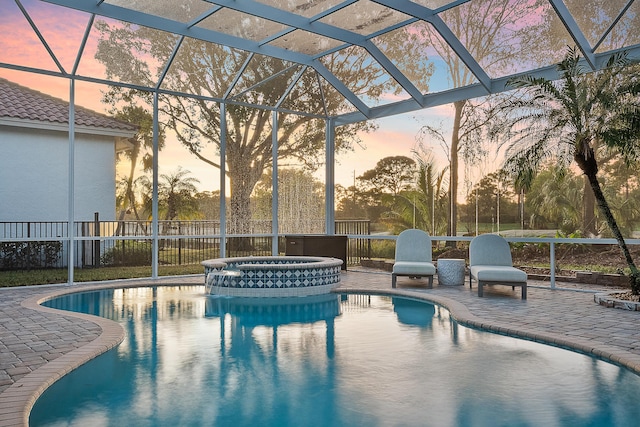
{"type": "Point", "coordinates": [590, 168]}
{"type": "Point", "coordinates": [129, 199]}
{"type": "Point", "coordinates": [452, 227]}
{"type": "Point", "coordinates": [243, 179]}
{"type": "Point", "coordinates": [521, 208]}
{"type": "Point", "coordinates": [588, 210]}
{"type": "Point", "coordinates": [239, 215]}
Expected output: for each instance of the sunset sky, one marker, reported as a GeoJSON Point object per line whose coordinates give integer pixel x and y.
{"type": "Point", "coordinates": [19, 45]}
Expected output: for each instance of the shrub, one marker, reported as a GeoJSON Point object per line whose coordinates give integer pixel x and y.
{"type": "Point", "coordinates": [383, 249]}
{"type": "Point", "coordinates": [29, 255]}
{"type": "Point", "coordinates": [128, 253]}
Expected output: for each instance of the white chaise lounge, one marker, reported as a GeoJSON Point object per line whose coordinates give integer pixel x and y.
{"type": "Point", "coordinates": [490, 263]}
{"type": "Point", "coordinates": [413, 256]}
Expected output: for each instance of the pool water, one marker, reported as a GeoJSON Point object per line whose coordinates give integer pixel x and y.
{"type": "Point", "coordinates": [333, 360]}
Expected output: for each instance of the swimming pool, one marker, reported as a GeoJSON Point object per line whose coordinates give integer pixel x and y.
{"type": "Point", "coordinates": [190, 360]}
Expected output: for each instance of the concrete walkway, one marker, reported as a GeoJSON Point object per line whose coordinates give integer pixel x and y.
{"type": "Point", "coordinates": [39, 345]}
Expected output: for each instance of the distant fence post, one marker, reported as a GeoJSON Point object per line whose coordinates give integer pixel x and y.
{"type": "Point", "coordinates": [96, 242]}
{"type": "Point", "coordinates": [179, 243]}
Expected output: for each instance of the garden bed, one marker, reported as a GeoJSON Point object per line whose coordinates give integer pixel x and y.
{"type": "Point", "coordinates": [587, 264]}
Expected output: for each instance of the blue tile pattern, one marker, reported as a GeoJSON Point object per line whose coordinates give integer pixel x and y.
{"type": "Point", "coordinates": [303, 275]}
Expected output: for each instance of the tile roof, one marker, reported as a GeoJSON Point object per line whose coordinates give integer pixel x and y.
{"type": "Point", "coordinates": [20, 102]}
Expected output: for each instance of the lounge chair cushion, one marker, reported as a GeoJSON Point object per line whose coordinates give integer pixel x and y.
{"type": "Point", "coordinates": [409, 268]}
{"type": "Point", "coordinates": [498, 273]}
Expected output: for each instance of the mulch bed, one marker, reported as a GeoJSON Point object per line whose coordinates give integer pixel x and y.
{"type": "Point", "coordinates": [626, 296]}
{"type": "Point", "coordinates": [575, 255]}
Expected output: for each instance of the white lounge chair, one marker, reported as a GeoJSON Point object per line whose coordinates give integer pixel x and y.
{"type": "Point", "coordinates": [413, 256]}
{"type": "Point", "coordinates": [490, 263]}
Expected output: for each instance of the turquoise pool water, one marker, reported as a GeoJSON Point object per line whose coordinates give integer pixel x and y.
{"type": "Point", "coordinates": [335, 360]}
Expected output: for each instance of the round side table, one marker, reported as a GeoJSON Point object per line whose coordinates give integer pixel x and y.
{"type": "Point", "coordinates": [451, 271]}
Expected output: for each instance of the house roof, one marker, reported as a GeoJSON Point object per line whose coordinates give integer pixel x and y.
{"type": "Point", "coordinates": [20, 102]}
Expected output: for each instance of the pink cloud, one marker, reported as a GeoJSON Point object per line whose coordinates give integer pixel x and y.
{"type": "Point", "coordinates": [62, 29]}
{"type": "Point", "coordinates": [19, 44]}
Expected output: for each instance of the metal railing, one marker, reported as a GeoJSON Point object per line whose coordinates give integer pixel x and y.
{"type": "Point", "coordinates": [30, 245]}
{"type": "Point", "coordinates": [552, 242]}
{"type": "Point", "coordinates": [358, 247]}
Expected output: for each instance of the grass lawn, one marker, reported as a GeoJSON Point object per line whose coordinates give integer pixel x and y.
{"type": "Point", "coordinates": [50, 276]}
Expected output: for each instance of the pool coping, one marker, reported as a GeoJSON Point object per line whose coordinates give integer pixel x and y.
{"type": "Point", "coordinates": [17, 400]}
{"type": "Point", "coordinates": [20, 397]}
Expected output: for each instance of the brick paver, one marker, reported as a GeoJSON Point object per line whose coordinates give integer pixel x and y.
{"type": "Point", "coordinates": [38, 345]}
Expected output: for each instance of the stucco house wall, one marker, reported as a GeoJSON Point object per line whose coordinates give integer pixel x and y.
{"type": "Point", "coordinates": [35, 181]}
{"type": "Point", "coordinates": [34, 157]}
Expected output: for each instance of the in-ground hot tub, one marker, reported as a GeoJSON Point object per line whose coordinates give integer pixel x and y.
{"type": "Point", "coordinates": [271, 276]}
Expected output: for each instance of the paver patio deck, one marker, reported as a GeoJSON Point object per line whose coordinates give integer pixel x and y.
{"type": "Point", "coordinates": [38, 345]}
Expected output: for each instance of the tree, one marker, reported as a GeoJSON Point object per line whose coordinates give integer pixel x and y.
{"type": "Point", "coordinates": [355, 202]}
{"type": "Point", "coordinates": [564, 120]}
{"type": "Point", "coordinates": [621, 186]}
{"type": "Point", "coordinates": [554, 199]}
{"type": "Point", "coordinates": [392, 174]}
{"type": "Point", "coordinates": [209, 204]}
{"type": "Point", "coordinates": [432, 192]}
{"type": "Point", "coordinates": [300, 201]}
{"type": "Point", "coordinates": [498, 34]}
{"type": "Point", "coordinates": [402, 193]}
{"type": "Point", "coordinates": [348, 206]}
{"type": "Point", "coordinates": [176, 195]}
{"type": "Point", "coordinates": [494, 193]}
{"type": "Point", "coordinates": [209, 70]}
{"type": "Point", "coordinates": [141, 146]}
{"type": "Point", "coordinates": [595, 18]}
{"type": "Point", "coordinates": [423, 205]}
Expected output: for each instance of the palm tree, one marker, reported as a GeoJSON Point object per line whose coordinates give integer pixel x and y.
{"type": "Point", "coordinates": [555, 196]}
{"type": "Point", "coordinates": [623, 193]}
{"type": "Point", "coordinates": [565, 119]}
{"type": "Point", "coordinates": [432, 193]}
{"type": "Point", "coordinates": [424, 205]}
{"type": "Point", "coordinates": [176, 195]}
{"type": "Point", "coordinates": [141, 146]}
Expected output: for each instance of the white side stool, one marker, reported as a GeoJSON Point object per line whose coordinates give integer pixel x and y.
{"type": "Point", "coordinates": [451, 271]}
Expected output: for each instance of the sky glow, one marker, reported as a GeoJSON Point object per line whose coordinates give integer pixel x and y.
{"type": "Point", "coordinates": [63, 30]}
